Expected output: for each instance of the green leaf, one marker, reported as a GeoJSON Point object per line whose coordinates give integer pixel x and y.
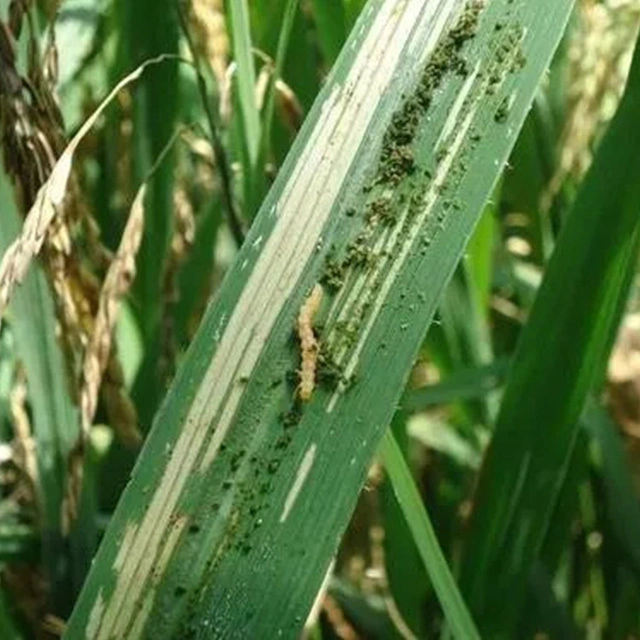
{"type": "Point", "coordinates": [242, 491]}
{"type": "Point", "coordinates": [8, 628]}
{"type": "Point", "coordinates": [464, 384]}
{"type": "Point", "coordinates": [18, 542]}
{"type": "Point", "coordinates": [442, 437]}
{"type": "Point", "coordinates": [458, 617]}
{"type": "Point", "coordinates": [622, 506]}
{"type": "Point", "coordinates": [55, 420]}
{"type": "Point", "coordinates": [283, 43]}
{"type": "Point", "coordinates": [147, 29]}
{"type": "Point", "coordinates": [407, 578]}
{"type": "Point", "coordinates": [246, 77]}
{"type": "Point", "coordinates": [558, 359]}
{"type": "Point", "coordinates": [479, 261]}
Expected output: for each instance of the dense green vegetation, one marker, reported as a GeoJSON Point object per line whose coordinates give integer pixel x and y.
{"type": "Point", "coordinates": [319, 317]}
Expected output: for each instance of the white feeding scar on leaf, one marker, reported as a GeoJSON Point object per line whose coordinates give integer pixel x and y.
{"type": "Point", "coordinates": [298, 483]}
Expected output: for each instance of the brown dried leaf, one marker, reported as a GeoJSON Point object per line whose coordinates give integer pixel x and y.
{"type": "Point", "coordinates": [18, 256]}
{"type": "Point", "coordinates": [289, 106]}
{"type": "Point", "coordinates": [24, 444]}
{"type": "Point", "coordinates": [116, 284]}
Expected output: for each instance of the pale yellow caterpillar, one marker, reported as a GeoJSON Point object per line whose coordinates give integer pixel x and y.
{"type": "Point", "coordinates": [308, 343]}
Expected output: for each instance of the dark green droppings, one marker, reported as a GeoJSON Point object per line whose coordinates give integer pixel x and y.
{"type": "Point", "coordinates": [381, 211]}
{"type": "Point", "coordinates": [330, 374]}
{"type": "Point", "coordinates": [292, 417]}
{"type": "Point", "coordinates": [398, 163]}
{"type": "Point", "coordinates": [333, 275]}
{"type": "Point", "coordinates": [236, 459]}
{"type": "Point", "coordinates": [273, 467]}
{"type": "Point", "coordinates": [282, 442]}
{"type": "Point", "coordinates": [264, 488]}
{"type": "Point", "coordinates": [291, 377]}
{"type": "Point", "coordinates": [358, 253]}
{"type": "Point", "coordinates": [502, 112]}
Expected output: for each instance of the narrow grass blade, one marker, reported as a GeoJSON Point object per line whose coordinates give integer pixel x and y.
{"type": "Point", "coordinates": [147, 29]}
{"type": "Point", "coordinates": [246, 77]}
{"type": "Point", "coordinates": [375, 203]}
{"type": "Point", "coordinates": [408, 580]}
{"type": "Point", "coordinates": [456, 612]}
{"type": "Point", "coordinates": [532, 170]}
{"type": "Point", "coordinates": [465, 339]}
{"type": "Point", "coordinates": [153, 31]}
{"type": "Point", "coordinates": [209, 98]}
{"type": "Point", "coordinates": [466, 384]}
{"type": "Point", "coordinates": [300, 65]}
{"type": "Point", "coordinates": [480, 257]}
{"type": "Point", "coordinates": [560, 352]}
{"type": "Point", "coordinates": [283, 44]}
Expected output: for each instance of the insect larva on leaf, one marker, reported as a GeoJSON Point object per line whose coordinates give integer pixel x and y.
{"type": "Point", "coordinates": [308, 343]}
